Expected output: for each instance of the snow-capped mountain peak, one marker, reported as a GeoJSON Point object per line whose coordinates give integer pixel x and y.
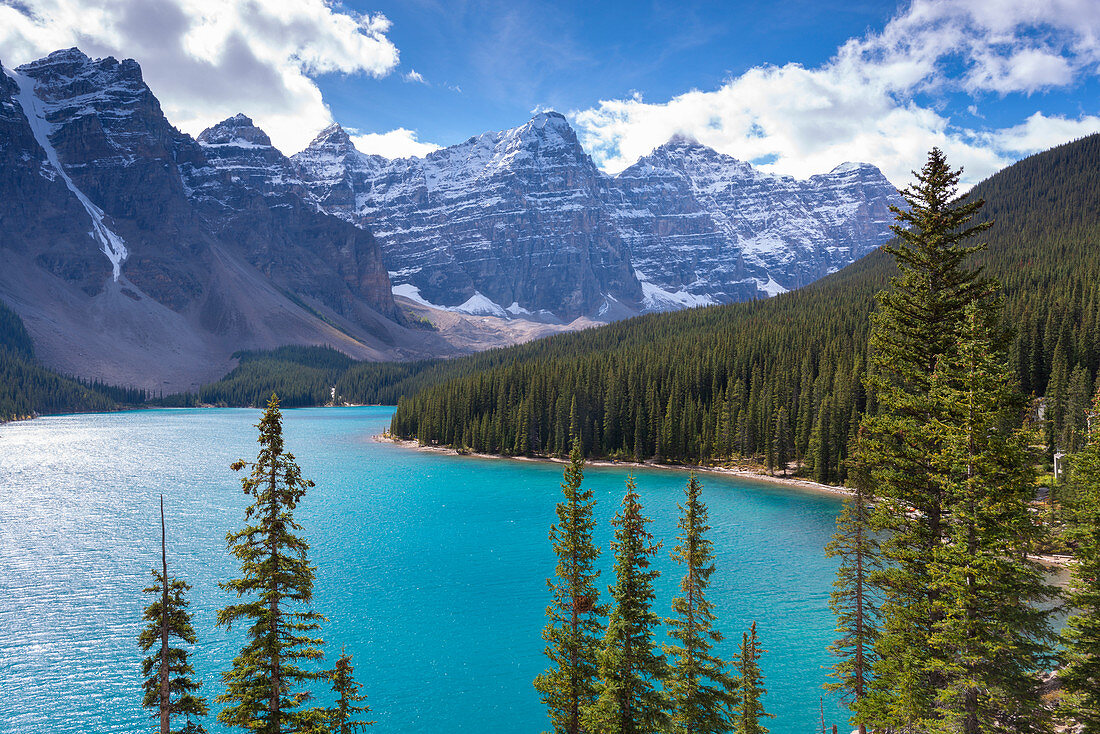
{"type": "Point", "coordinates": [238, 131]}
{"type": "Point", "coordinates": [523, 216]}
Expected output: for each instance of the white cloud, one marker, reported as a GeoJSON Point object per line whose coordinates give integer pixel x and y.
{"type": "Point", "coordinates": [209, 59]}
{"type": "Point", "coordinates": [864, 104]}
{"type": "Point", "coordinates": [415, 76]}
{"type": "Point", "coordinates": [1039, 132]}
{"type": "Point", "coordinates": [399, 143]}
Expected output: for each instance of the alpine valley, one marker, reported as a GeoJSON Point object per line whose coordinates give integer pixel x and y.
{"type": "Point", "coordinates": [137, 255]}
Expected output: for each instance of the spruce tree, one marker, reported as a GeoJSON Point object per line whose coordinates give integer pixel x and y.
{"type": "Point", "coordinates": [991, 635]}
{"type": "Point", "coordinates": [917, 321]}
{"type": "Point", "coordinates": [748, 706]}
{"type": "Point", "coordinates": [349, 701]}
{"type": "Point", "coordinates": [630, 667]}
{"type": "Point", "coordinates": [169, 689]}
{"type": "Point", "coordinates": [853, 598]}
{"type": "Point", "coordinates": [698, 685]}
{"type": "Point", "coordinates": [1080, 674]}
{"type": "Point", "coordinates": [277, 580]}
{"type": "Point", "coordinates": [575, 614]}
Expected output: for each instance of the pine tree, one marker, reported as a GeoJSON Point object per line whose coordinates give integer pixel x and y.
{"type": "Point", "coordinates": [991, 634]}
{"type": "Point", "coordinates": [698, 685]}
{"type": "Point", "coordinates": [277, 578]}
{"type": "Point", "coordinates": [749, 690]}
{"type": "Point", "coordinates": [1080, 674]}
{"type": "Point", "coordinates": [782, 440]}
{"type": "Point", "coordinates": [168, 687]}
{"type": "Point", "coordinates": [630, 666]}
{"type": "Point", "coordinates": [918, 319]}
{"type": "Point", "coordinates": [341, 718]}
{"type": "Point", "coordinates": [852, 599]}
{"type": "Point", "coordinates": [573, 632]}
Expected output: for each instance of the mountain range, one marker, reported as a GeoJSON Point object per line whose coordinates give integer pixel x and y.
{"type": "Point", "coordinates": [523, 223]}
{"type": "Point", "coordinates": [139, 255]}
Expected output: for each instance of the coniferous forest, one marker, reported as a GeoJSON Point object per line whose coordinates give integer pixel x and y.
{"type": "Point", "coordinates": [782, 380]}
{"type": "Point", "coordinates": [27, 388]}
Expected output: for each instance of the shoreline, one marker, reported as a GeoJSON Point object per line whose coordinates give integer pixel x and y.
{"type": "Point", "coordinates": [788, 482]}
{"type": "Point", "coordinates": [1049, 560]}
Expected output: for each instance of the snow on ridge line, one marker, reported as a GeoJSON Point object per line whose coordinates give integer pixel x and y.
{"type": "Point", "coordinates": [476, 305]}
{"type": "Point", "coordinates": [112, 245]}
{"type": "Point", "coordinates": [479, 305]}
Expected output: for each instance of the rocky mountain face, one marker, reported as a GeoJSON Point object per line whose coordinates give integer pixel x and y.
{"type": "Point", "coordinates": [249, 193]}
{"type": "Point", "coordinates": [507, 222]}
{"type": "Point", "coordinates": [710, 228]}
{"type": "Point", "coordinates": [522, 222]}
{"type": "Point", "coordinates": [138, 255]}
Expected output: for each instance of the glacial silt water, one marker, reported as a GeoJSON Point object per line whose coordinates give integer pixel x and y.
{"type": "Point", "coordinates": [431, 568]}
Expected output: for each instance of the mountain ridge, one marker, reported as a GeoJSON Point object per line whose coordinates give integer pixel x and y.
{"type": "Point", "coordinates": [94, 160]}
{"type": "Point", "coordinates": [683, 240]}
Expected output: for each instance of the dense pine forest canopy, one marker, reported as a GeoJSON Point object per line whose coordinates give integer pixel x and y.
{"type": "Point", "coordinates": [27, 388]}
{"type": "Point", "coordinates": [782, 378]}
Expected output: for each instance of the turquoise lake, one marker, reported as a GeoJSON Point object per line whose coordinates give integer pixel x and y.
{"type": "Point", "coordinates": [431, 568]}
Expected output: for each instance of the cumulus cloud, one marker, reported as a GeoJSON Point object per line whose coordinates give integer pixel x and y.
{"type": "Point", "coordinates": [399, 143]}
{"type": "Point", "coordinates": [881, 97]}
{"type": "Point", "coordinates": [209, 59]}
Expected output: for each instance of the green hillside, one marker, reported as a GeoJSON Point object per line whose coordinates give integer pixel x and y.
{"type": "Point", "coordinates": [28, 389]}
{"type": "Point", "coordinates": [724, 383]}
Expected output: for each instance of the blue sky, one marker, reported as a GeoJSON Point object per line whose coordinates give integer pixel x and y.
{"type": "Point", "coordinates": [795, 87]}
{"type": "Point", "coordinates": [511, 57]}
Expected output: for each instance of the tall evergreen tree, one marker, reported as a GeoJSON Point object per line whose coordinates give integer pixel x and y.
{"type": "Point", "coordinates": [991, 635]}
{"type": "Point", "coordinates": [698, 685]}
{"type": "Point", "coordinates": [573, 632]}
{"type": "Point", "coordinates": [1080, 674]}
{"type": "Point", "coordinates": [169, 689]}
{"type": "Point", "coordinates": [349, 700]}
{"type": "Point", "coordinates": [749, 692]}
{"type": "Point", "coordinates": [631, 668]}
{"type": "Point", "coordinates": [917, 321]}
{"type": "Point", "coordinates": [853, 598]}
{"type": "Point", "coordinates": [278, 581]}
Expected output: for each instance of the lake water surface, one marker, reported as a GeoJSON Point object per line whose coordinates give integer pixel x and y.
{"type": "Point", "coordinates": [431, 569]}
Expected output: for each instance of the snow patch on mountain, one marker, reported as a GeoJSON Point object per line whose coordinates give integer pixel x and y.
{"type": "Point", "coordinates": [655, 298]}
{"type": "Point", "coordinates": [479, 305]}
{"type": "Point", "coordinates": [34, 110]}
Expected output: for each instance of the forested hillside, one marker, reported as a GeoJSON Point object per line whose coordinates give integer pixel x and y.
{"type": "Point", "coordinates": [779, 379]}
{"type": "Point", "coordinates": [27, 388]}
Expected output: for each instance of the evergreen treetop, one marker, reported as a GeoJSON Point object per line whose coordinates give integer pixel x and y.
{"type": "Point", "coordinates": [698, 685]}
{"type": "Point", "coordinates": [750, 691]}
{"type": "Point", "coordinates": [630, 667]}
{"type": "Point", "coordinates": [169, 689]}
{"type": "Point", "coordinates": [573, 631]}
{"type": "Point", "coordinates": [342, 717]}
{"type": "Point", "coordinates": [263, 686]}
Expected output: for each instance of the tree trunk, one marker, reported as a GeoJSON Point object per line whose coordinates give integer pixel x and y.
{"type": "Point", "coordinates": [165, 726]}
{"type": "Point", "coordinates": [274, 704]}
